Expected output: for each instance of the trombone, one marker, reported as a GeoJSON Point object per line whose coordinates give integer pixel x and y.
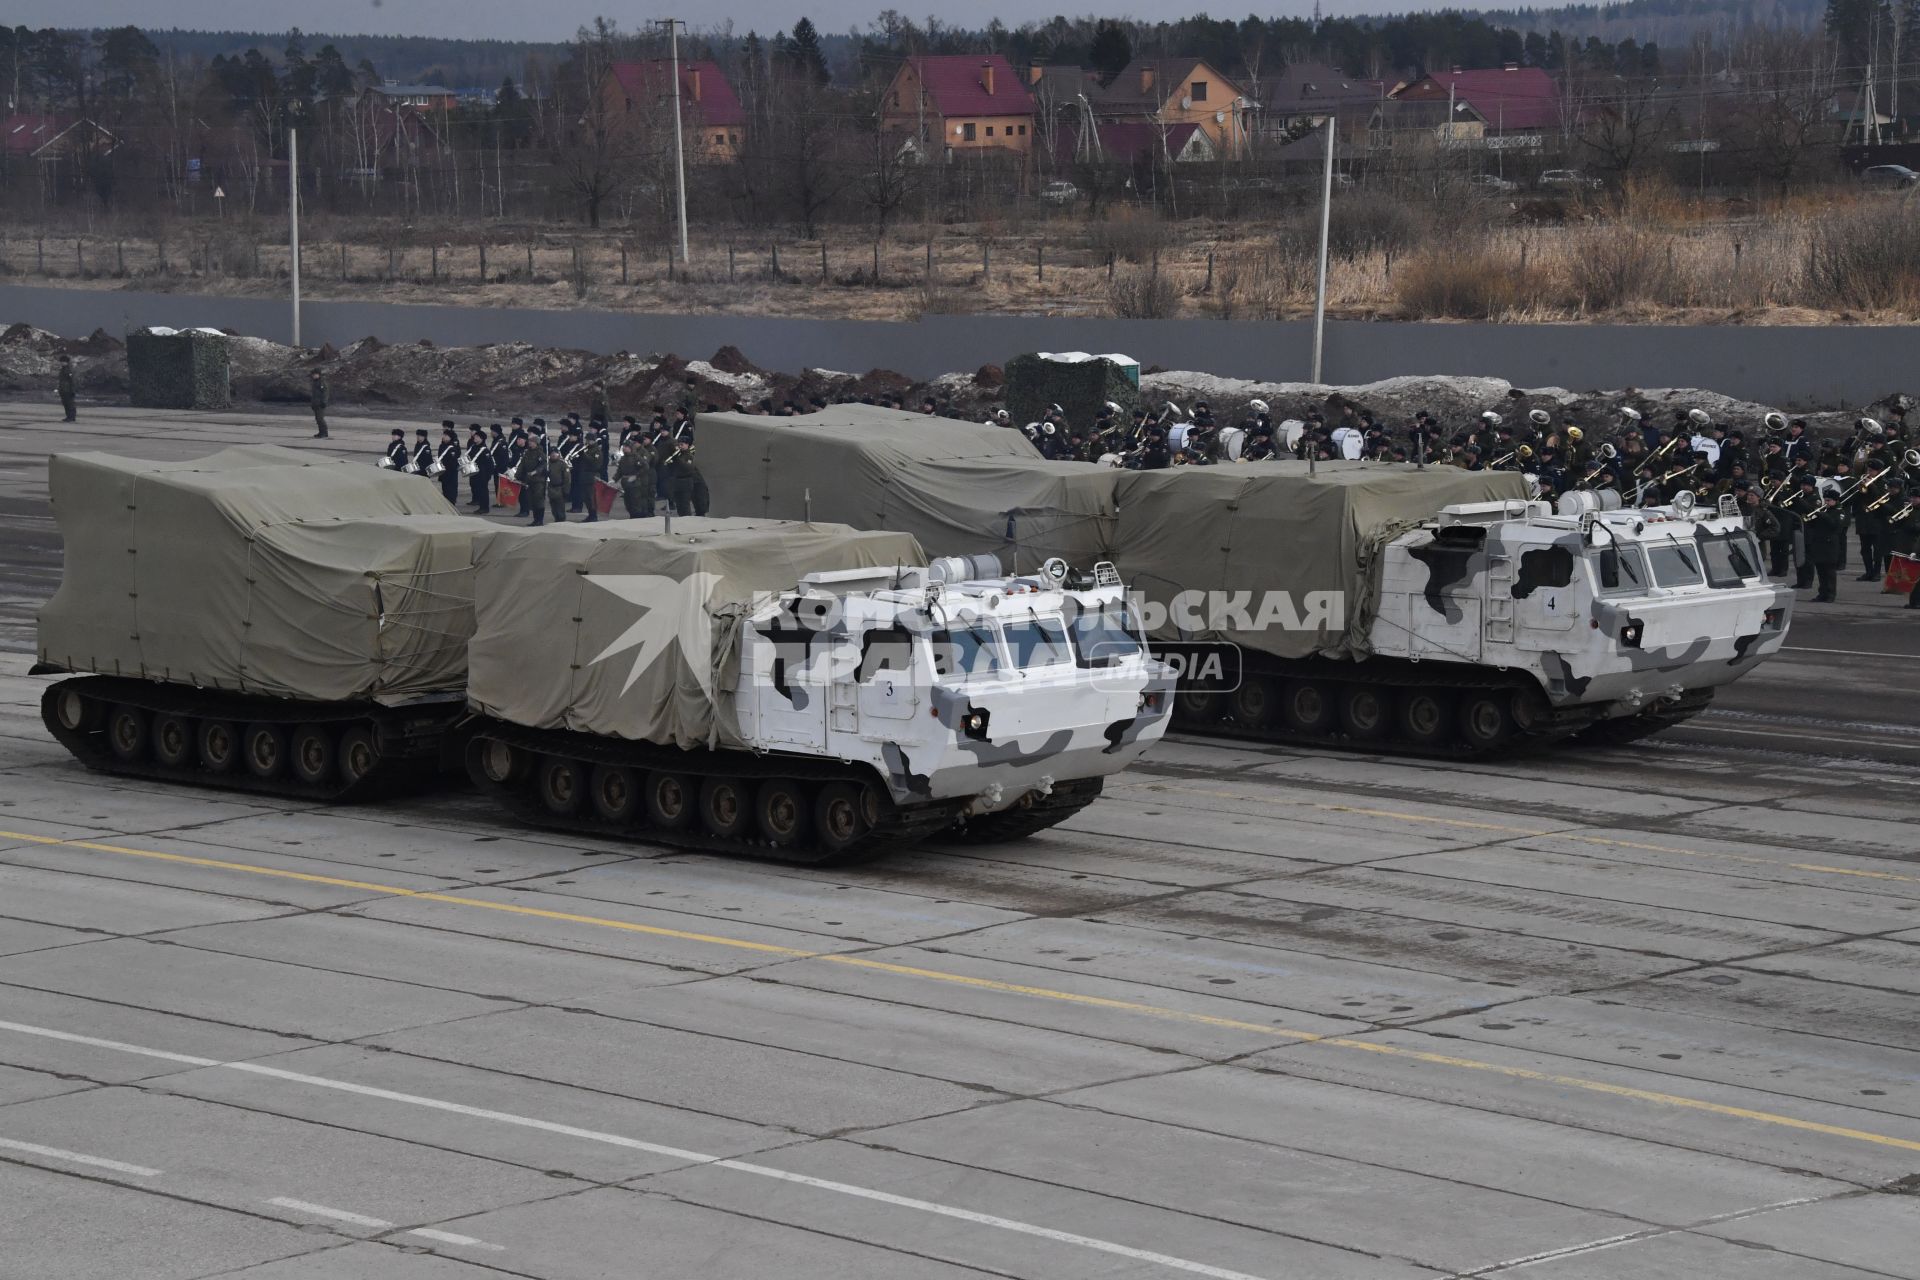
{"type": "Point", "coordinates": [1660, 454]}
{"type": "Point", "coordinates": [1607, 454]}
{"type": "Point", "coordinates": [1524, 452]}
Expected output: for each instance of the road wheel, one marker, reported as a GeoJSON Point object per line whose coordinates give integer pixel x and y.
{"type": "Point", "coordinates": [562, 785]}
{"type": "Point", "coordinates": [127, 734]}
{"type": "Point", "coordinates": [173, 741]}
{"type": "Point", "coordinates": [726, 807]}
{"type": "Point", "coordinates": [842, 814]}
{"type": "Point", "coordinates": [1426, 717]}
{"type": "Point", "coordinates": [312, 755]}
{"type": "Point", "coordinates": [781, 811]}
{"type": "Point", "coordinates": [1486, 719]}
{"type": "Point", "coordinates": [670, 801]}
{"type": "Point", "coordinates": [263, 749]}
{"type": "Point", "coordinates": [1255, 702]}
{"type": "Point", "coordinates": [219, 744]}
{"type": "Point", "coordinates": [359, 754]}
{"type": "Point", "coordinates": [1530, 709]}
{"type": "Point", "coordinates": [616, 794]}
{"type": "Point", "coordinates": [1366, 712]}
{"type": "Point", "coordinates": [75, 711]}
{"type": "Point", "coordinates": [1308, 707]}
{"type": "Point", "coordinates": [1198, 706]}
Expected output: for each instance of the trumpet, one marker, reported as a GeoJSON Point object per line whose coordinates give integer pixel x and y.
{"type": "Point", "coordinates": [1902, 514]}
{"type": "Point", "coordinates": [1879, 502]}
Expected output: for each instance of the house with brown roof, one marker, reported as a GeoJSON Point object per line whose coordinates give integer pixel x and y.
{"type": "Point", "coordinates": [712, 121]}
{"type": "Point", "coordinates": [953, 105]}
{"type": "Point", "coordinates": [1170, 91]}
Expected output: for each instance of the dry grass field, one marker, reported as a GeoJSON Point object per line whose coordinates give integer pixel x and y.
{"type": "Point", "coordinates": [1639, 256]}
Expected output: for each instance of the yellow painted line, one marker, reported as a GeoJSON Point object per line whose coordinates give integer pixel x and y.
{"type": "Point", "coordinates": [217, 864]}
{"type": "Point", "coordinates": [1529, 833]}
{"type": "Point", "coordinates": [947, 977]}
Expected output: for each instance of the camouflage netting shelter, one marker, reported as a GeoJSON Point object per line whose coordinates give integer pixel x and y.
{"type": "Point", "coordinates": [178, 369]}
{"type": "Point", "coordinates": [1262, 528]}
{"type": "Point", "coordinates": [1079, 387]}
{"type": "Point", "coordinates": [260, 569]}
{"type": "Point", "coordinates": [629, 631]}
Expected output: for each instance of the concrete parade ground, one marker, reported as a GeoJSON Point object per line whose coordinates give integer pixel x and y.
{"type": "Point", "coordinates": [1263, 1012]}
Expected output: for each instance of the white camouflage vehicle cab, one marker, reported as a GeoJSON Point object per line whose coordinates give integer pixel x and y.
{"type": "Point", "coordinates": [1624, 621]}
{"type": "Point", "coordinates": [1008, 697]}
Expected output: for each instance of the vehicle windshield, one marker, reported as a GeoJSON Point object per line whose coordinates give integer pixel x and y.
{"type": "Point", "coordinates": [1105, 634]}
{"type": "Point", "coordinates": [961, 653]}
{"type": "Point", "coordinates": [1732, 558]}
{"type": "Point", "coordinates": [1674, 565]}
{"type": "Point", "coordinates": [1621, 570]}
{"type": "Point", "coordinates": [1038, 642]}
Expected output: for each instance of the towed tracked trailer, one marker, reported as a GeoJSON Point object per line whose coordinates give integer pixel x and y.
{"type": "Point", "coordinates": [1381, 606]}
{"type": "Point", "coordinates": [257, 620]}
{"type": "Point", "coordinates": [800, 692]}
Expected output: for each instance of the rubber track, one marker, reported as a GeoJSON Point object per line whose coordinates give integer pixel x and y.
{"type": "Point", "coordinates": [898, 829]}
{"type": "Point", "coordinates": [411, 738]}
{"type": "Point", "coordinates": [1017, 824]}
{"type": "Point", "coordinates": [1559, 725]}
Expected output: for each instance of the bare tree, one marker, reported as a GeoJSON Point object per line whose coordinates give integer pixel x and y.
{"type": "Point", "coordinates": [1786, 120]}
{"type": "Point", "coordinates": [590, 135]}
{"type": "Point", "coordinates": [1627, 123]}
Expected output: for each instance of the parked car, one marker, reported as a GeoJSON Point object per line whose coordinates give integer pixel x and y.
{"type": "Point", "coordinates": [1569, 180]}
{"type": "Point", "coordinates": [1492, 184]}
{"type": "Point", "coordinates": [1889, 177]}
{"type": "Point", "coordinates": [1059, 193]}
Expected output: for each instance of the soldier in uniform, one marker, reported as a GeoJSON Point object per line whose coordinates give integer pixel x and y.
{"type": "Point", "coordinates": [448, 456]}
{"type": "Point", "coordinates": [481, 456]}
{"type": "Point", "coordinates": [1827, 545]}
{"type": "Point", "coordinates": [597, 407]}
{"type": "Point", "coordinates": [531, 472]}
{"type": "Point", "coordinates": [635, 478]}
{"type": "Point", "coordinates": [397, 450]}
{"type": "Point", "coordinates": [686, 486]}
{"type": "Point", "coordinates": [1903, 535]}
{"type": "Point", "coordinates": [559, 474]}
{"type": "Point", "coordinates": [317, 400]}
{"type": "Point", "coordinates": [422, 452]}
{"type": "Point", "coordinates": [64, 384]}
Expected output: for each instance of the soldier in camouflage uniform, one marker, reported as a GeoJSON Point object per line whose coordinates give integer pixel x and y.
{"type": "Point", "coordinates": [317, 397]}
{"type": "Point", "coordinates": [559, 475]}
{"type": "Point", "coordinates": [531, 472]}
{"type": "Point", "coordinates": [635, 478]}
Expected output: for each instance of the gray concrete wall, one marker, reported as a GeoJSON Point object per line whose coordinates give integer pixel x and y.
{"type": "Point", "coordinates": [1830, 365]}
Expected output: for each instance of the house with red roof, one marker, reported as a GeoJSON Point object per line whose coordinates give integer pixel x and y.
{"type": "Point", "coordinates": [712, 120]}
{"type": "Point", "coordinates": [953, 105]}
{"type": "Point", "coordinates": [1132, 142]}
{"type": "Point", "coordinates": [1502, 100]}
{"type": "Point", "coordinates": [43, 137]}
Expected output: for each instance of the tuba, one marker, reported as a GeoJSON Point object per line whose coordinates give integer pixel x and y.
{"type": "Point", "coordinates": [1776, 423]}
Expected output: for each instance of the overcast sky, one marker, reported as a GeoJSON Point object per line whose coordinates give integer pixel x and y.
{"type": "Point", "coordinates": [557, 19]}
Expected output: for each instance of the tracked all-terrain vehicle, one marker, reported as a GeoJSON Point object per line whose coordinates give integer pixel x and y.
{"type": "Point", "coordinates": [258, 620]}
{"type": "Point", "coordinates": [799, 692]}
{"type": "Point", "coordinates": [1382, 606]}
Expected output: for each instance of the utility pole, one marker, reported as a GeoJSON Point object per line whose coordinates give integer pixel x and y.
{"type": "Point", "coordinates": [673, 26]}
{"type": "Point", "coordinates": [1326, 224]}
{"type": "Point", "coordinates": [293, 223]}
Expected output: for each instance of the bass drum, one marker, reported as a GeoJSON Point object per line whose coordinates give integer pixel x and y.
{"type": "Point", "coordinates": [1177, 436]}
{"type": "Point", "coordinates": [1233, 442]}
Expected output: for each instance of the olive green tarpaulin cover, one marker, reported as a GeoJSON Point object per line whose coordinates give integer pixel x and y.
{"type": "Point", "coordinates": [1262, 528]}
{"type": "Point", "coordinates": [625, 630]}
{"type": "Point", "coordinates": [260, 569]}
